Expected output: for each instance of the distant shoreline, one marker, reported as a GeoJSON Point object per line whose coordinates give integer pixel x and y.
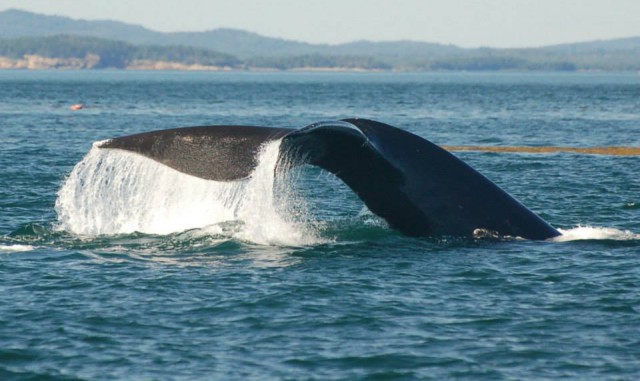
{"type": "Point", "coordinates": [37, 62]}
{"type": "Point", "coordinates": [33, 41]}
{"type": "Point", "coordinates": [34, 62]}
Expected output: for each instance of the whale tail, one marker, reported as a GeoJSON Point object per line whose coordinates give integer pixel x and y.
{"type": "Point", "coordinates": [419, 188]}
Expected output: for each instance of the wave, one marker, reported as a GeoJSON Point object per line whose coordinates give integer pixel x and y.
{"type": "Point", "coordinates": [595, 233]}
{"type": "Point", "coordinates": [15, 248]}
{"type": "Point", "coordinates": [118, 192]}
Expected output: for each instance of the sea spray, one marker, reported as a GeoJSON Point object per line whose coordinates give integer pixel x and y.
{"type": "Point", "coordinates": [595, 233]}
{"type": "Point", "coordinates": [15, 248]}
{"type": "Point", "coordinates": [119, 192]}
{"type": "Point", "coordinates": [271, 211]}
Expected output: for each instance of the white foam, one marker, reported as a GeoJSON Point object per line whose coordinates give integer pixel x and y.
{"type": "Point", "coordinates": [595, 233]}
{"type": "Point", "coordinates": [15, 248]}
{"type": "Point", "coordinates": [119, 192]}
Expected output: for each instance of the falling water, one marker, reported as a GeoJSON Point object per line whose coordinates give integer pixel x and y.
{"type": "Point", "coordinates": [119, 192]}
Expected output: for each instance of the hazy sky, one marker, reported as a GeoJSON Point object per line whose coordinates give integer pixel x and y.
{"type": "Point", "coordinates": [469, 23]}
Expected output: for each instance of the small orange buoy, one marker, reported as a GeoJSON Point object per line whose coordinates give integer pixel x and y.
{"type": "Point", "coordinates": [77, 106]}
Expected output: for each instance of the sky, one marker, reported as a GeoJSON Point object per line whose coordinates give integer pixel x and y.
{"type": "Point", "coordinates": [466, 23]}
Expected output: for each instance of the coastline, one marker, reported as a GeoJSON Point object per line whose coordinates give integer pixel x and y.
{"type": "Point", "coordinates": [91, 61]}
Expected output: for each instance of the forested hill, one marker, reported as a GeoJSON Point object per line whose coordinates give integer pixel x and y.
{"type": "Point", "coordinates": [109, 53]}
{"type": "Point", "coordinates": [76, 52]}
{"type": "Point", "coordinates": [27, 37]}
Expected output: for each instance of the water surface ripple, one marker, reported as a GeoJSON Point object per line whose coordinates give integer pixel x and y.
{"type": "Point", "coordinates": [355, 300]}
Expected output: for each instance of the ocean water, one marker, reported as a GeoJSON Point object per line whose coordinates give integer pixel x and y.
{"type": "Point", "coordinates": [115, 267]}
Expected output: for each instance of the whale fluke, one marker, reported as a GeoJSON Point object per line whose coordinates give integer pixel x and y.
{"type": "Point", "coordinates": [418, 187]}
{"type": "Point", "coordinates": [220, 153]}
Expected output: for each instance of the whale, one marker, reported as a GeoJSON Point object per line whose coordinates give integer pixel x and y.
{"type": "Point", "coordinates": [419, 188]}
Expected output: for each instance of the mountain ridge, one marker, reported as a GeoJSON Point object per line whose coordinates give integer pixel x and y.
{"type": "Point", "coordinates": [255, 49]}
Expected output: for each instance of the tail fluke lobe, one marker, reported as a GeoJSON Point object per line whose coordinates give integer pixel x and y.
{"type": "Point", "coordinates": [418, 187]}
{"type": "Point", "coordinates": [220, 153]}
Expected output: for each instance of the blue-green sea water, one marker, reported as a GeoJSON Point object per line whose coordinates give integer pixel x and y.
{"type": "Point", "coordinates": [300, 282]}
